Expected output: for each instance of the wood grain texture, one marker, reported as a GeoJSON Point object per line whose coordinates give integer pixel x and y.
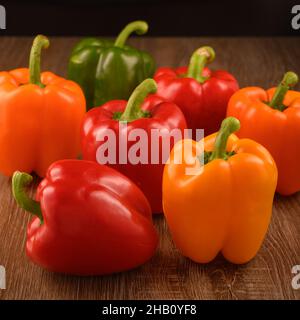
{"type": "Point", "coordinates": [254, 61]}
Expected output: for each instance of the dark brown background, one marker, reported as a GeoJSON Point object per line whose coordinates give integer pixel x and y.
{"type": "Point", "coordinates": [254, 61]}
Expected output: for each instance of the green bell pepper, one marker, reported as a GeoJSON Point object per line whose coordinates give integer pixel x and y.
{"type": "Point", "coordinates": [108, 70]}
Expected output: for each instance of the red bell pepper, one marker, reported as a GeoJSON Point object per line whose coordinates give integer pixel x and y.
{"type": "Point", "coordinates": [141, 112]}
{"type": "Point", "coordinates": [89, 220]}
{"type": "Point", "coordinates": [201, 94]}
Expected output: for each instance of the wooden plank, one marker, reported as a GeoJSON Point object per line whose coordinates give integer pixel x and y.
{"type": "Point", "coordinates": [254, 61]}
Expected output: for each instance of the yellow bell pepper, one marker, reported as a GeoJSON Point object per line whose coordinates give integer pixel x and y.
{"type": "Point", "coordinates": [227, 206]}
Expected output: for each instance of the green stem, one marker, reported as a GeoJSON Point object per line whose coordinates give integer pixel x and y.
{"type": "Point", "coordinates": [198, 60]}
{"type": "Point", "coordinates": [40, 42]}
{"type": "Point", "coordinates": [133, 109]}
{"type": "Point", "coordinates": [228, 126]}
{"type": "Point", "coordinates": [289, 80]}
{"type": "Point", "coordinates": [20, 181]}
{"type": "Point", "coordinates": [139, 27]}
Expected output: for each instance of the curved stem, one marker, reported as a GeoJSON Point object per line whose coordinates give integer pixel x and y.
{"type": "Point", "coordinates": [139, 27]}
{"type": "Point", "coordinates": [198, 60]}
{"type": "Point", "coordinates": [133, 109]}
{"type": "Point", "coordinates": [289, 80]}
{"type": "Point", "coordinates": [228, 126]}
{"type": "Point", "coordinates": [40, 42]}
{"type": "Point", "coordinates": [20, 181]}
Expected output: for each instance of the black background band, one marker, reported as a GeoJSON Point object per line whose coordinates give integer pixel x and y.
{"type": "Point", "coordinates": [90, 310]}
{"type": "Point", "coordinates": [165, 17]}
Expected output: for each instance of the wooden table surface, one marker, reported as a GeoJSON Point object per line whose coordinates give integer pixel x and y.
{"type": "Point", "coordinates": [254, 61]}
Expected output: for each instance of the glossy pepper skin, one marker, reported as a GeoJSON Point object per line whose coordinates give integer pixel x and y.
{"type": "Point", "coordinates": [226, 207]}
{"type": "Point", "coordinates": [272, 118]}
{"type": "Point", "coordinates": [201, 94]}
{"type": "Point", "coordinates": [108, 70]}
{"type": "Point", "coordinates": [40, 117]}
{"type": "Point", "coordinates": [90, 220]}
{"type": "Point", "coordinates": [140, 112]}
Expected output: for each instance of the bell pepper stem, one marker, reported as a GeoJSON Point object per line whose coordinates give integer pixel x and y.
{"type": "Point", "coordinates": [133, 109]}
{"type": "Point", "coordinates": [139, 27]}
{"type": "Point", "coordinates": [198, 60]}
{"type": "Point", "coordinates": [20, 181]}
{"type": "Point", "coordinates": [228, 126]}
{"type": "Point", "coordinates": [289, 80]}
{"type": "Point", "coordinates": [40, 42]}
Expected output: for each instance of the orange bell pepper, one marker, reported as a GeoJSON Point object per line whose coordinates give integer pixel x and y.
{"type": "Point", "coordinates": [227, 206]}
{"type": "Point", "coordinates": [272, 118]}
{"type": "Point", "coordinates": [40, 117]}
